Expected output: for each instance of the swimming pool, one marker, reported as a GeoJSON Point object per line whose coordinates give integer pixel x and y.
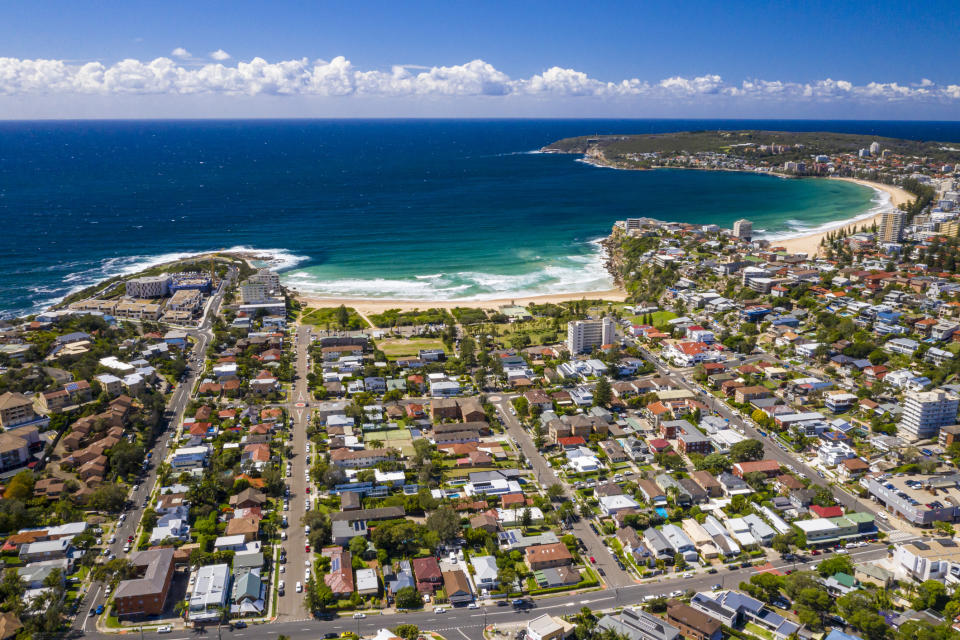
{"type": "Point", "coordinates": [661, 512]}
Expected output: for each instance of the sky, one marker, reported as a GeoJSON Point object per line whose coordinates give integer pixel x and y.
{"type": "Point", "coordinates": [207, 58]}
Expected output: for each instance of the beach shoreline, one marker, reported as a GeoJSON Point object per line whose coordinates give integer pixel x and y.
{"type": "Point", "coordinates": [375, 305]}
{"type": "Point", "coordinates": [802, 242]}
{"type": "Point", "coordinates": [809, 243]}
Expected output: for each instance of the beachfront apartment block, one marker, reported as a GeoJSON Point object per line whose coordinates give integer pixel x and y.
{"type": "Point", "coordinates": [891, 225]}
{"type": "Point", "coordinates": [925, 412]}
{"type": "Point", "coordinates": [584, 335]}
{"type": "Point", "coordinates": [743, 229]}
{"type": "Point", "coordinates": [149, 286]}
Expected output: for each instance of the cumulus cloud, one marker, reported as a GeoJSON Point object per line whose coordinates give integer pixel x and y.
{"type": "Point", "coordinates": [477, 78]}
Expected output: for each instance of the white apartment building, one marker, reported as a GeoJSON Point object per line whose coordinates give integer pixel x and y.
{"type": "Point", "coordinates": [584, 335]}
{"type": "Point", "coordinates": [254, 292]}
{"type": "Point", "coordinates": [267, 277]}
{"type": "Point", "coordinates": [149, 287]}
{"type": "Point", "coordinates": [926, 411]}
{"type": "Point", "coordinates": [743, 229]}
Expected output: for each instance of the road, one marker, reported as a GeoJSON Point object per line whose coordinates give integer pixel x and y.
{"type": "Point", "coordinates": [460, 623]}
{"type": "Point", "coordinates": [290, 606]}
{"type": "Point", "coordinates": [771, 450]}
{"type": "Point", "coordinates": [95, 594]}
{"type": "Point", "coordinates": [614, 577]}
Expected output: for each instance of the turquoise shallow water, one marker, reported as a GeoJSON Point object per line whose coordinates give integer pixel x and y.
{"type": "Point", "coordinates": [393, 209]}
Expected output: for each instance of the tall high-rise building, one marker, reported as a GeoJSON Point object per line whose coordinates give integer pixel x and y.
{"type": "Point", "coordinates": [891, 225]}
{"type": "Point", "coordinates": [743, 229]}
{"type": "Point", "coordinates": [925, 412]}
{"type": "Point", "coordinates": [874, 148]}
{"type": "Point", "coordinates": [584, 335]}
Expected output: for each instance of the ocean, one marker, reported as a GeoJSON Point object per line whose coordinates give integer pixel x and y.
{"type": "Point", "coordinates": [407, 209]}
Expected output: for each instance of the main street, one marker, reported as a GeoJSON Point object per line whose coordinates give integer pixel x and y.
{"type": "Point", "coordinates": [96, 594]}
{"type": "Point", "coordinates": [461, 623]}
{"type": "Point", "coordinates": [545, 475]}
{"type": "Point", "coordinates": [291, 604]}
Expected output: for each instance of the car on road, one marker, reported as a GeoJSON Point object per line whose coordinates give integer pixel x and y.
{"type": "Point", "coordinates": [688, 574]}
{"type": "Point", "coordinates": [439, 610]}
{"type": "Point", "coordinates": [330, 635]}
{"type": "Point", "coordinates": [502, 603]}
{"type": "Point", "coordinates": [239, 624]}
{"type": "Point", "coordinates": [593, 560]}
{"type": "Point", "coordinates": [92, 612]}
{"type": "Point", "coordinates": [99, 609]}
{"type": "Point", "coordinates": [473, 605]}
{"type": "Point", "coordinates": [601, 571]}
{"type": "Point", "coordinates": [299, 587]}
{"type": "Point", "coordinates": [165, 629]}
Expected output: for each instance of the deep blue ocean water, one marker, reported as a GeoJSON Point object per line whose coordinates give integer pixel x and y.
{"type": "Point", "coordinates": [413, 209]}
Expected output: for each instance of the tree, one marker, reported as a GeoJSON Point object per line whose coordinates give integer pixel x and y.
{"type": "Point", "coordinates": [836, 564]}
{"type": "Point", "coordinates": [769, 584]}
{"type": "Point", "coordinates": [717, 463]}
{"type": "Point", "coordinates": [407, 631]}
{"type": "Point", "coordinates": [555, 491]}
{"type": "Point", "coordinates": [823, 497]}
{"type": "Point", "coordinates": [931, 594]}
{"type": "Point", "coordinates": [20, 487]}
{"type": "Point", "coordinates": [526, 518]}
{"type": "Point", "coordinates": [602, 393]}
{"type": "Point", "coordinates": [746, 450]}
{"type": "Point", "coordinates": [358, 546]}
{"type": "Point", "coordinates": [125, 458]}
{"type": "Point", "coordinates": [507, 575]}
{"type": "Point", "coordinates": [944, 528]}
{"type": "Point", "coordinates": [445, 522]}
{"type": "Point", "coordinates": [343, 317]}
{"type": "Point", "coordinates": [409, 598]}
{"type": "Point", "coordinates": [108, 497]}
{"type": "Point", "coordinates": [538, 436]}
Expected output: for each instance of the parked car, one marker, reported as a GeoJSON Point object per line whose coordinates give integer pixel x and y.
{"type": "Point", "coordinates": [165, 629]}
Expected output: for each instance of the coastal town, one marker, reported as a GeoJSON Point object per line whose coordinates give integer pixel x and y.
{"type": "Point", "coordinates": [755, 440]}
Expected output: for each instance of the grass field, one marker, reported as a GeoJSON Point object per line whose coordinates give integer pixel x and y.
{"type": "Point", "coordinates": [659, 318]}
{"type": "Point", "coordinates": [400, 347]}
{"type": "Point", "coordinates": [327, 317]}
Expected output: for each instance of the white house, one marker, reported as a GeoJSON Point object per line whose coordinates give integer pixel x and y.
{"type": "Point", "coordinates": [612, 505]}
{"type": "Point", "coordinates": [485, 572]}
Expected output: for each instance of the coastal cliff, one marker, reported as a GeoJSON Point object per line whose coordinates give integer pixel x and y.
{"type": "Point", "coordinates": [613, 259]}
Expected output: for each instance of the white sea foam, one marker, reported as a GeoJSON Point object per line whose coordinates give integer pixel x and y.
{"type": "Point", "coordinates": [568, 274]}
{"type": "Point", "coordinates": [278, 259]}
{"type": "Point", "coordinates": [881, 200]}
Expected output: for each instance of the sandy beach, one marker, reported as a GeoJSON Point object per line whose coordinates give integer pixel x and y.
{"type": "Point", "coordinates": [810, 243]}
{"type": "Point", "coordinates": [379, 306]}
